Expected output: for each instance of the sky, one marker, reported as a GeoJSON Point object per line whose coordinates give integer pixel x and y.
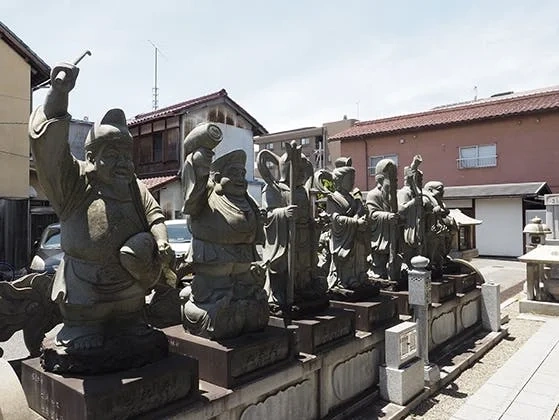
{"type": "Point", "coordinates": [293, 64]}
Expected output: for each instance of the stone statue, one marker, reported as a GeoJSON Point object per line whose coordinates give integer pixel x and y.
{"type": "Point", "coordinates": [383, 213]}
{"type": "Point", "coordinates": [439, 227]}
{"type": "Point", "coordinates": [350, 239]}
{"type": "Point", "coordinates": [413, 206]}
{"type": "Point", "coordinates": [113, 236]}
{"type": "Point", "coordinates": [226, 297]}
{"type": "Point", "coordinates": [290, 250]}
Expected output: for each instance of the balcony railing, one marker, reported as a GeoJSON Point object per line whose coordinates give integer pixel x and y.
{"type": "Point", "coordinates": [477, 162]}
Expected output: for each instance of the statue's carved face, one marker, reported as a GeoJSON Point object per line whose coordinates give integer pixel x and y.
{"type": "Point", "coordinates": [233, 180]}
{"type": "Point", "coordinates": [113, 163]}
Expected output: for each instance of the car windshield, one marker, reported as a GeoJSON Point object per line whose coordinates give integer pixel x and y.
{"type": "Point", "coordinates": [178, 234]}
{"type": "Point", "coordinates": [52, 239]}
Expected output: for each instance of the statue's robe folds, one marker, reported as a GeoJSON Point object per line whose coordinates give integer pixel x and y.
{"type": "Point", "coordinates": [349, 245]}
{"type": "Point", "coordinates": [94, 224]}
{"type": "Point", "coordinates": [381, 230]}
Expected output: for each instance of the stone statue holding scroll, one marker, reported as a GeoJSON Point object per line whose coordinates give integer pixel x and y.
{"type": "Point", "coordinates": [290, 250]}
{"type": "Point", "coordinates": [226, 297]}
{"type": "Point", "coordinates": [113, 236]}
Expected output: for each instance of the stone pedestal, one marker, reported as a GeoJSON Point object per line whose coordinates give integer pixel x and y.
{"type": "Point", "coordinates": [13, 404]}
{"type": "Point", "coordinates": [400, 385]}
{"type": "Point", "coordinates": [377, 313]}
{"type": "Point", "coordinates": [442, 290]}
{"type": "Point", "coordinates": [321, 332]}
{"type": "Point", "coordinates": [402, 301]}
{"type": "Point", "coordinates": [229, 363]}
{"type": "Point", "coordinates": [431, 374]}
{"type": "Point", "coordinates": [119, 395]}
{"type": "Point", "coordinates": [491, 306]}
{"type": "Point", "coordinates": [463, 283]}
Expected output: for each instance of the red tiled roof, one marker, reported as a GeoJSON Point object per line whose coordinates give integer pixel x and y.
{"type": "Point", "coordinates": [176, 108]}
{"type": "Point", "coordinates": [158, 181]}
{"type": "Point", "coordinates": [490, 108]}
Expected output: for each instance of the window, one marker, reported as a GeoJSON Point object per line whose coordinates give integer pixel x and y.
{"type": "Point", "coordinates": [172, 137]}
{"type": "Point", "coordinates": [269, 146]}
{"type": "Point", "coordinates": [145, 149]}
{"type": "Point", "coordinates": [157, 147]}
{"type": "Point", "coordinates": [305, 141]}
{"type": "Point", "coordinates": [373, 160]}
{"type": "Point", "coordinates": [482, 156]}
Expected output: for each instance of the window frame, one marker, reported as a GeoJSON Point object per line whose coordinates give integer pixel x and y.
{"type": "Point", "coordinates": [379, 158]}
{"type": "Point", "coordinates": [476, 162]}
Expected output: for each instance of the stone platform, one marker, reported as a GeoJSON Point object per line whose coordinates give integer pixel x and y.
{"type": "Point", "coordinates": [119, 395]}
{"type": "Point", "coordinates": [378, 312]}
{"type": "Point", "coordinates": [229, 363]}
{"type": "Point", "coordinates": [320, 332]}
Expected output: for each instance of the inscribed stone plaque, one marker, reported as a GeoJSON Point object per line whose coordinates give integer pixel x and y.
{"type": "Point", "coordinates": [401, 344]}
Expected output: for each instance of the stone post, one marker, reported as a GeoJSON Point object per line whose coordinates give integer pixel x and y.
{"type": "Point", "coordinates": [419, 280]}
{"type": "Point", "coordinates": [491, 306]}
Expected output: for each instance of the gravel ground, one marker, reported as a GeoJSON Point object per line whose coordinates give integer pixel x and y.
{"type": "Point", "coordinates": [448, 400]}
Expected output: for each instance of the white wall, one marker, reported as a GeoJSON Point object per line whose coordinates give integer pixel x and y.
{"type": "Point", "coordinates": [500, 234]}
{"type": "Point", "coordinates": [170, 198]}
{"type": "Point", "coordinates": [237, 138]}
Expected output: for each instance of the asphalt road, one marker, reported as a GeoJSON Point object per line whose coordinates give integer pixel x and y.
{"type": "Point", "coordinates": [509, 273]}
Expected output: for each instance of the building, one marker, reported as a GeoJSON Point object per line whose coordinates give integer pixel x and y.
{"type": "Point", "coordinates": [22, 70]}
{"type": "Point", "coordinates": [314, 141]}
{"type": "Point", "coordinates": [501, 151]}
{"type": "Point", "coordinates": [158, 146]}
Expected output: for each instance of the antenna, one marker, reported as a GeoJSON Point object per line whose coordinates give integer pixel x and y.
{"type": "Point", "coordinates": [475, 93]}
{"type": "Point", "coordinates": [155, 89]}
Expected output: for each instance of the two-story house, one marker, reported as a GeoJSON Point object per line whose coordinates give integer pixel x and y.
{"type": "Point", "coordinates": [496, 156]}
{"type": "Point", "coordinates": [158, 143]}
{"type": "Point", "coordinates": [21, 71]}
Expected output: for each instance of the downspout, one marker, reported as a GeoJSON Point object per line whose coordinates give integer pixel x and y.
{"type": "Point", "coordinates": [366, 164]}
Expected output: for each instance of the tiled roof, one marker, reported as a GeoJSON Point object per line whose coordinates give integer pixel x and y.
{"type": "Point", "coordinates": [484, 109]}
{"type": "Point", "coordinates": [176, 108]}
{"type": "Point", "coordinates": [40, 70]}
{"type": "Point", "coordinates": [520, 189]}
{"type": "Point", "coordinates": [158, 181]}
{"type": "Point", "coordinates": [183, 106]}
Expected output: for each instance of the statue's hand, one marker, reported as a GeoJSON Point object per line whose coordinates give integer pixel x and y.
{"type": "Point", "coordinates": [290, 211]}
{"type": "Point", "coordinates": [63, 77]}
{"type": "Point", "coordinates": [202, 158]}
{"type": "Point", "coordinates": [165, 251]}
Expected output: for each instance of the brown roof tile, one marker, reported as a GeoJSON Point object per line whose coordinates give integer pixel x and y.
{"type": "Point", "coordinates": [158, 181]}
{"type": "Point", "coordinates": [491, 108]}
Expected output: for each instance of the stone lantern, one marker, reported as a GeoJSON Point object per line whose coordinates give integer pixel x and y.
{"type": "Point", "coordinates": [537, 232]}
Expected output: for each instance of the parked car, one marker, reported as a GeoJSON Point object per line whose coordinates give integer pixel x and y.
{"type": "Point", "coordinates": [179, 236]}
{"type": "Point", "coordinates": [48, 252]}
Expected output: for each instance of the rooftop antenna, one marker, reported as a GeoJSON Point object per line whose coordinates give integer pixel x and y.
{"type": "Point", "coordinates": [475, 93]}
{"type": "Point", "coordinates": [155, 89]}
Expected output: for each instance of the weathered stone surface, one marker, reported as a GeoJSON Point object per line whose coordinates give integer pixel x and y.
{"type": "Point", "coordinates": [229, 363]}
{"type": "Point", "coordinates": [401, 385]}
{"type": "Point", "coordinates": [13, 404]}
{"type": "Point", "coordinates": [470, 313]}
{"type": "Point", "coordinates": [442, 291]}
{"type": "Point", "coordinates": [401, 344]}
{"type": "Point", "coordinates": [355, 375]}
{"type": "Point", "coordinates": [463, 283]}
{"type": "Point", "coordinates": [120, 395]}
{"type": "Point", "coordinates": [443, 327]}
{"type": "Point", "coordinates": [491, 306]}
{"type": "Point", "coordinates": [320, 332]}
{"type": "Point", "coordinates": [120, 351]}
{"type": "Point", "coordinates": [373, 314]}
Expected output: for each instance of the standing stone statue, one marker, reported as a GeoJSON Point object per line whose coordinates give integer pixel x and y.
{"type": "Point", "coordinates": [226, 297]}
{"type": "Point", "coordinates": [439, 227]}
{"type": "Point", "coordinates": [412, 206]}
{"type": "Point", "coordinates": [290, 250]}
{"type": "Point", "coordinates": [113, 238]}
{"type": "Point", "coordinates": [383, 212]}
{"type": "Point", "coordinates": [350, 239]}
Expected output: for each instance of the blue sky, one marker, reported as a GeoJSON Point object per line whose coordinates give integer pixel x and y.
{"type": "Point", "coordinates": [294, 64]}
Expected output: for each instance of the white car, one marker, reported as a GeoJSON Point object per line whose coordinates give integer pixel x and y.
{"type": "Point", "coordinates": [179, 236]}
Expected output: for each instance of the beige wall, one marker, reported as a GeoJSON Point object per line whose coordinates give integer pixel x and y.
{"type": "Point", "coordinates": [15, 96]}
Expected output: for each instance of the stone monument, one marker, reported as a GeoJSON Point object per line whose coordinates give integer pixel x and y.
{"type": "Point", "coordinates": [113, 236]}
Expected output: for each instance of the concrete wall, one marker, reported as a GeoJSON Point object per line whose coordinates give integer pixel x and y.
{"type": "Point", "coordinates": [15, 105]}
{"type": "Point", "coordinates": [526, 151]}
{"type": "Point", "coordinates": [170, 199]}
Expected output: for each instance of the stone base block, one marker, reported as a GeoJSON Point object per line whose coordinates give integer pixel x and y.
{"type": "Point", "coordinates": [402, 301]}
{"type": "Point", "coordinates": [463, 283]}
{"type": "Point", "coordinates": [321, 332]}
{"type": "Point", "coordinates": [431, 374]}
{"type": "Point", "coordinates": [119, 395]}
{"type": "Point", "coordinates": [401, 385]}
{"type": "Point", "coordinates": [377, 313]}
{"type": "Point", "coordinates": [13, 404]}
{"type": "Point", "coordinates": [441, 291]}
{"type": "Point", "coordinates": [229, 363]}
{"type": "Point", "coordinates": [540, 308]}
